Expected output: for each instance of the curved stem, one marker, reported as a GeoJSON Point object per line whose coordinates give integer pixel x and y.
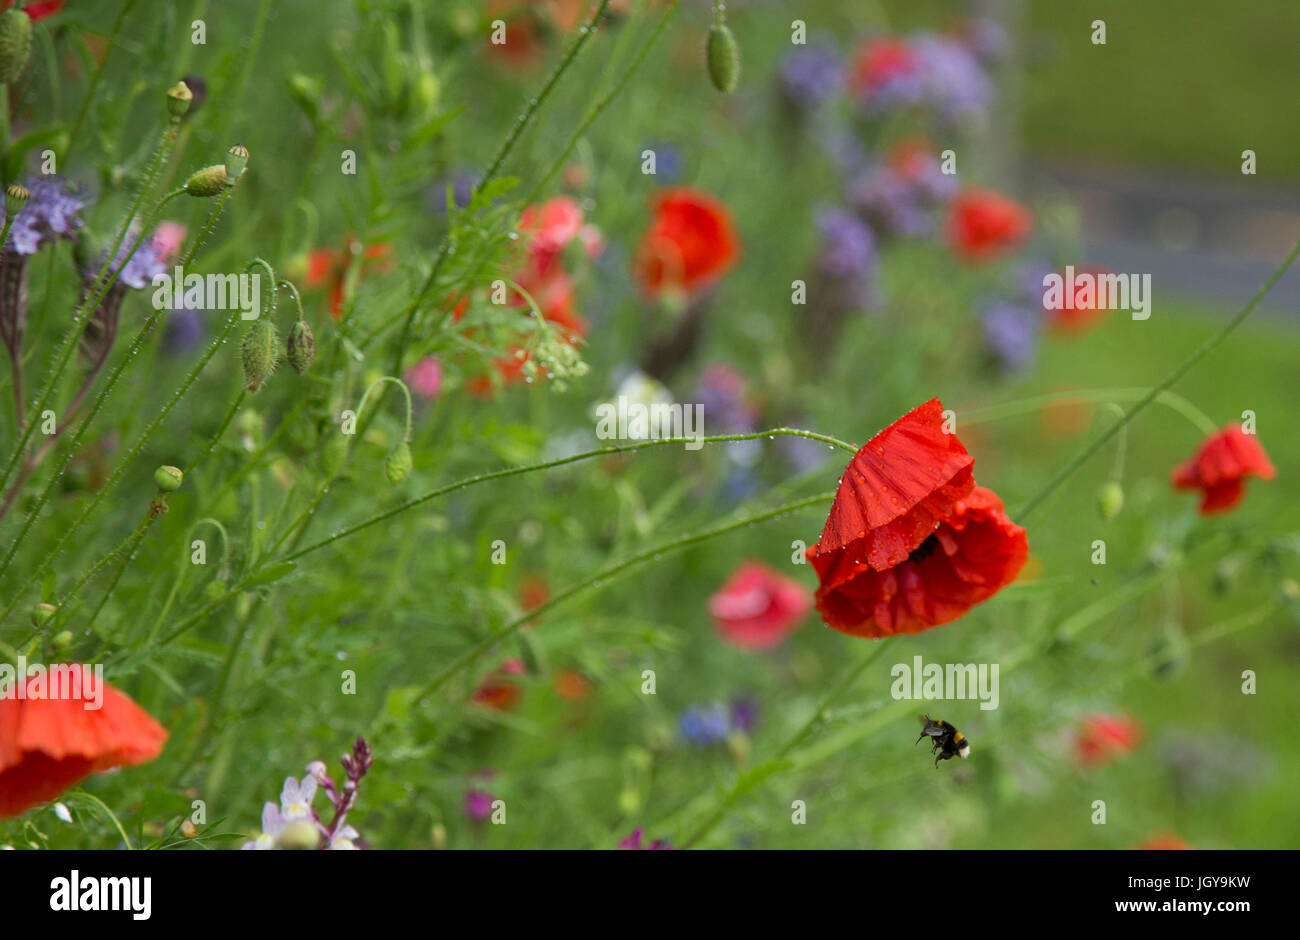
{"type": "Point", "coordinates": [604, 576]}
{"type": "Point", "coordinates": [1171, 400]}
{"type": "Point", "coordinates": [1197, 355]}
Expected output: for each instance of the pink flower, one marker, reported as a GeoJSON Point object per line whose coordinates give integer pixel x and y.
{"type": "Point", "coordinates": [757, 608]}
{"type": "Point", "coordinates": [478, 805]}
{"type": "Point", "coordinates": [167, 239]}
{"type": "Point", "coordinates": [425, 378]}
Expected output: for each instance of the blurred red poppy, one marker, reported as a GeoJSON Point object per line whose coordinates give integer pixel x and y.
{"type": "Point", "coordinates": [757, 608]}
{"type": "Point", "coordinates": [328, 267]}
{"type": "Point", "coordinates": [38, 10]}
{"type": "Point", "coordinates": [983, 224]}
{"type": "Point", "coordinates": [499, 690]}
{"type": "Point", "coordinates": [1103, 738]}
{"type": "Point", "coordinates": [911, 542]}
{"type": "Point", "coordinates": [1163, 841]}
{"type": "Point", "coordinates": [1219, 469]}
{"type": "Point", "coordinates": [879, 61]}
{"type": "Point", "coordinates": [49, 744]}
{"type": "Point", "coordinates": [691, 242]}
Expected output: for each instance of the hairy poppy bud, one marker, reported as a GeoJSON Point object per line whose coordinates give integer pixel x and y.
{"type": "Point", "coordinates": [207, 182]}
{"type": "Point", "coordinates": [42, 613]}
{"type": "Point", "coordinates": [1110, 500]}
{"type": "Point", "coordinates": [723, 57]}
{"type": "Point", "coordinates": [179, 97]}
{"type": "Point", "coordinates": [236, 161]}
{"type": "Point", "coordinates": [258, 353]}
{"type": "Point", "coordinates": [16, 197]}
{"type": "Point", "coordinates": [168, 479]}
{"type": "Point", "coordinates": [398, 464]}
{"type": "Point", "coordinates": [15, 44]}
{"type": "Point", "coordinates": [300, 348]}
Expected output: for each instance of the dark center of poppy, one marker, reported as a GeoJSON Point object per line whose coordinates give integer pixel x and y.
{"type": "Point", "coordinates": [925, 549]}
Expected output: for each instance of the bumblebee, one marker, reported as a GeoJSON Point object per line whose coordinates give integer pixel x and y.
{"type": "Point", "coordinates": [948, 741]}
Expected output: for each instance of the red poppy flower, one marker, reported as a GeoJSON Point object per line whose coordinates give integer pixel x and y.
{"type": "Point", "coordinates": [49, 744]}
{"type": "Point", "coordinates": [879, 61]}
{"type": "Point", "coordinates": [1163, 841]}
{"type": "Point", "coordinates": [1079, 311]}
{"type": "Point", "coordinates": [499, 690]}
{"type": "Point", "coordinates": [1220, 468]}
{"type": "Point", "coordinates": [571, 684]}
{"type": "Point", "coordinates": [911, 542]}
{"type": "Point", "coordinates": [329, 267]}
{"type": "Point", "coordinates": [982, 224]}
{"type": "Point", "coordinates": [39, 10]}
{"type": "Point", "coordinates": [691, 242]}
{"type": "Point", "coordinates": [1103, 738]}
{"type": "Point", "coordinates": [757, 607]}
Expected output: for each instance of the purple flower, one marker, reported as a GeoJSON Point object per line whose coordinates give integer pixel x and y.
{"type": "Point", "coordinates": [706, 724]}
{"type": "Point", "coordinates": [889, 202]}
{"type": "Point", "coordinates": [848, 249]}
{"type": "Point", "coordinates": [273, 824]}
{"type": "Point", "coordinates": [184, 330]}
{"type": "Point", "coordinates": [987, 40]}
{"type": "Point", "coordinates": [668, 161]}
{"type": "Point", "coordinates": [809, 76]}
{"type": "Point", "coordinates": [140, 270]}
{"type": "Point", "coordinates": [724, 394]}
{"type": "Point", "coordinates": [634, 842]}
{"type": "Point", "coordinates": [1011, 334]}
{"type": "Point", "coordinates": [478, 805]}
{"type": "Point", "coordinates": [744, 712]}
{"type": "Point", "coordinates": [955, 85]}
{"type": "Point", "coordinates": [52, 212]}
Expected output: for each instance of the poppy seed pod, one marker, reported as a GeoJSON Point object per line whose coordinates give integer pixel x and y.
{"type": "Point", "coordinates": [398, 463]}
{"type": "Point", "coordinates": [168, 479]}
{"type": "Point", "coordinates": [15, 44]}
{"type": "Point", "coordinates": [723, 56]}
{"type": "Point", "coordinates": [207, 182]}
{"type": "Point", "coordinates": [300, 348]}
{"type": "Point", "coordinates": [1110, 500]}
{"type": "Point", "coordinates": [42, 613]}
{"type": "Point", "coordinates": [236, 162]}
{"type": "Point", "coordinates": [179, 97]}
{"type": "Point", "coordinates": [258, 354]}
{"type": "Point", "coordinates": [16, 197]}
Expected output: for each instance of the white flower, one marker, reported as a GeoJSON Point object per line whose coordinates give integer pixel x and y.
{"type": "Point", "coordinates": [343, 838]}
{"type": "Point", "coordinates": [272, 825]}
{"type": "Point", "coordinates": [295, 798]}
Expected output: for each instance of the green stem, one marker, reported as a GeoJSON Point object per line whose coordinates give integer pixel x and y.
{"type": "Point", "coordinates": [559, 462]}
{"type": "Point", "coordinates": [1197, 355]}
{"type": "Point", "coordinates": [1171, 400]}
{"type": "Point", "coordinates": [604, 576]}
{"type": "Point", "coordinates": [507, 145]}
{"type": "Point", "coordinates": [94, 82]}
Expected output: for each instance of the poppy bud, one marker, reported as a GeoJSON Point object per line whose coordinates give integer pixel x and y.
{"type": "Point", "coordinates": [207, 182]}
{"type": "Point", "coordinates": [398, 464]}
{"type": "Point", "coordinates": [723, 58]}
{"type": "Point", "coordinates": [258, 353]}
{"type": "Point", "coordinates": [16, 197]}
{"type": "Point", "coordinates": [168, 479]}
{"type": "Point", "coordinates": [1110, 500]}
{"type": "Point", "coordinates": [299, 835]}
{"type": "Point", "coordinates": [179, 97]}
{"type": "Point", "coordinates": [41, 614]}
{"type": "Point", "coordinates": [300, 348]}
{"type": "Point", "coordinates": [62, 639]}
{"type": "Point", "coordinates": [236, 161]}
{"type": "Point", "coordinates": [15, 44]}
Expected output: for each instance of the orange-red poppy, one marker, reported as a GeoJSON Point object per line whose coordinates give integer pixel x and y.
{"type": "Point", "coordinates": [691, 242]}
{"type": "Point", "coordinates": [48, 744]}
{"type": "Point", "coordinates": [1101, 739]}
{"type": "Point", "coordinates": [1220, 467]}
{"type": "Point", "coordinates": [911, 541]}
{"type": "Point", "coordinates": [983, 224]}
{"type": "Point", "coordinates": [328, 267]}
{"type": "Point", "coordinates": [1164, 841]}
{"type": "Point", "coordinates": [499, 690]}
